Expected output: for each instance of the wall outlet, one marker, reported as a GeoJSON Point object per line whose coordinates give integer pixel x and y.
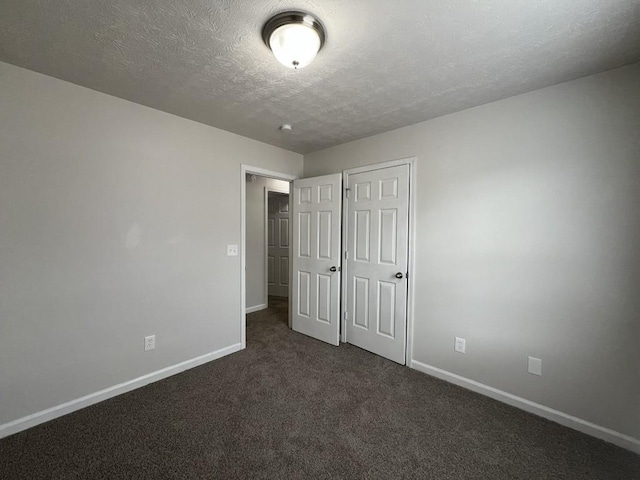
{"type": "Point", "coordinates": [232, 250]}
{"type": "Point", "coordinates": [460, 345]}
{"type": "Point", "coordinates": [535, 366]}
{"type": "Point", "coordinates": [149, 343]}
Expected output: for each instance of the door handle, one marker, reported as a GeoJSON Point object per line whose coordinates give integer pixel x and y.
{"type": "Point", "coordinates": [333, 269]}
{"type": "Point", "coordinates": [399, 275]}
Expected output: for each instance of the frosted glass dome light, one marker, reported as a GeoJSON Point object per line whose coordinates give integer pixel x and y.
{"type": "Point", "coordinates": [295, 38]}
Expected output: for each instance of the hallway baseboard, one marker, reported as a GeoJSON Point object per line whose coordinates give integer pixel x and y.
{"type": "Point", "coordinates": [256, 308]}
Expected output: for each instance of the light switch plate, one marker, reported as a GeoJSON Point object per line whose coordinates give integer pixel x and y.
{"type": "Point", "coordinates": [535, 366]}
{"type": "Point", "coordinates": [232, 250]}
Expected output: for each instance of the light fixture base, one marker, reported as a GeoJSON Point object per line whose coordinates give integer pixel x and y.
{"type": "Point", "coordinates": [286, 18]}
{"type": "Point", "coordinates": [294, 37]}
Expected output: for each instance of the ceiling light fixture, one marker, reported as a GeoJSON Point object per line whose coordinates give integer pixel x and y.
{"type": "Point", "coordinates": [295, 38]}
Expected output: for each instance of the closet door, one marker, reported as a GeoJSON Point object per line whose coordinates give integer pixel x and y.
{"type": "Point", "coordinates": [316, 216]}
{"type": "Point", "coordinates": [377, 259]}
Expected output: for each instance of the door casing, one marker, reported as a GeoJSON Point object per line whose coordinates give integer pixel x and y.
{"type": "Point", "coordinates": [411, 162]}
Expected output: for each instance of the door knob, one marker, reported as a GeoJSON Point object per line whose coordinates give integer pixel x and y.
{"type": "Point", "coordinates": [399, 275]}
{"type": "Point", "coordinates": [333, 269]}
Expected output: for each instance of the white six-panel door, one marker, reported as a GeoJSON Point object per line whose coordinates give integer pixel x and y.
{"type": "Point", "coordinates": [377, 260]}
{"type": "Point", "coordinates": [278, 244]}
{"type": "Point", "coordinates": [315, 303]}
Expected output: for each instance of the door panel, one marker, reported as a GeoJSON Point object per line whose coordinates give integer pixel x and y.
{"type": "Point", "coordinates": [377, 250]}
{"type": "Point", "coordinates": [361, 302]}
{"type": "Point", "coordinates": [278, 244]}
{"type": "Point", "coordinates": [270, 270]}
{"type": "Point", "coordinates": [386, 309]}
{"type": "Point", "coordinates": [315, 208]}
{"type": "Point", "coordinates": [303, 294]}
{"type": "Point", "coordinates": [284, 232]}
{"type": "Point", "coordinates": [362, 232]}
{"type": "Point", "coordinates": [284, 271]}
{"type": "Point", "coordinates": [324, 298]}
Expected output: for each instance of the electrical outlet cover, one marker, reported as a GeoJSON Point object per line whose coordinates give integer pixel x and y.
{"type": "Point", "coordinates": [460, 345]}
{"type": "Point", "coordinates": [149, 343]}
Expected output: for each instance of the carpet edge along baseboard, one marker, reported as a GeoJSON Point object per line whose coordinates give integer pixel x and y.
{"type": "Point", "coordinates": [56, 411]}
{"type": "Point", "coordinates": [603, 433]}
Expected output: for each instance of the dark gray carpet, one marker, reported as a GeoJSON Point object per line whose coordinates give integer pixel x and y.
{"type": "Point", "coordinates": [292, 407]}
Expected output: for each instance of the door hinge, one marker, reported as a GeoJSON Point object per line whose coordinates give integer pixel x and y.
{"type": "Point", "coordinates": [346, 254]}
{"type": "Point", "coordinates": [346, 192]}
{"type": "Point", "coordinates": [346, 315]}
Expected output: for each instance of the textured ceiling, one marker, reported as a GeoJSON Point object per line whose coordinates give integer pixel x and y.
{"type": "Point", "coordinates": [386, 64]}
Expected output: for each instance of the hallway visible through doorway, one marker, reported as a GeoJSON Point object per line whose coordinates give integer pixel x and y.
{"type": "Point", "coordinates": [266, 240]}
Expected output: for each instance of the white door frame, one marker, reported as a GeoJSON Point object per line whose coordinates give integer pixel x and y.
{"type": "Point", "coordinates": [266, 236]}
{"type": "Point", "coordinates": [412, 241]}
{"type": "Point", "coordinates": [244, 170]}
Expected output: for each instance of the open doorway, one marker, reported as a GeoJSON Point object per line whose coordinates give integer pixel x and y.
{"type": "Point", "coordinates": [265, 244]}
{"type": "Point", "coordinates": [267, 237]}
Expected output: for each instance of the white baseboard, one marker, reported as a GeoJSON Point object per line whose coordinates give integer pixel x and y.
{"type": "Point", "coordinates": [256, 308]}
{"type": "Point", "coordinates": [59, 410]}
{"type": "Point", "coordinates": [603, 433]}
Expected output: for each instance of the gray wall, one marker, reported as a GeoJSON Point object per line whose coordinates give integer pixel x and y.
{"type": "Point", "coordinates": [528, 242]}
{"type": "Point", "coordinates": [114, 221]}
{"type": "Point", "coordinates": [256, 287]}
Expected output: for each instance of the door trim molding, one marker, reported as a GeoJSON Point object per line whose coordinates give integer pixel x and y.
{"type": "Point", "coordinates": [263, 172]}
{"type": "Point", "coordinates": [411, 162]}
{"type": "Point", "coordinates": [266, 235]}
